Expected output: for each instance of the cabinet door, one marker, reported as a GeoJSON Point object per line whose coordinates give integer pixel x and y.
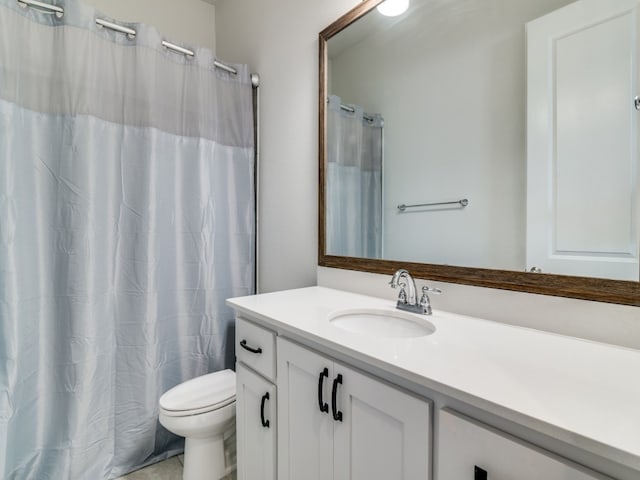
{"type": "Point", "coordinates": [384, 433]}
{"type": "Point", "coordinates": [256, 425]}
{"type": "Point", "coordinates": [305, 443]}
{"type": "Point", "coordinates": [470, 451]}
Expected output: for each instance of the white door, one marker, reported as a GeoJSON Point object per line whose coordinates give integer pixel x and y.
{"type": "Point", "coordinates": [305, 433]}
{"type": "Point", "coordinates": [582, 140]}
{"type": "Point", "coordinates": [384, 433]}
{"type": "Point", "coordinates": [255, 425]}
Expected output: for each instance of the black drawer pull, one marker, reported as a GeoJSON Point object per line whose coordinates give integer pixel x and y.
{"type": "Point", "coordinates": [479, 473]}
{"type": "Point", "coordinates": [324, 407]}
{"type": "Point", "coordinates": [244, 345]}
{"type": "Point", "coordinates": [265, 423]}
{"type": "Point", "coordinates": [337, 415]}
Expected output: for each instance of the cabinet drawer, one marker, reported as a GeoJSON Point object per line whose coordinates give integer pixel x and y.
{"type": "Point", "coordinates": [468, 450]}
{"type": "Point", "coordinates": [256, 348]}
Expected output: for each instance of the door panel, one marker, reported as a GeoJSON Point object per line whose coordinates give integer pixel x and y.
{"type": "Point", "coordinates": [582, 159]}
{"type": "Point", "coordinates": [305, 437]}
{"type": "Point", "coordinates": [385, 433]}
{"type": "Point", "coordinates": [256, 442]}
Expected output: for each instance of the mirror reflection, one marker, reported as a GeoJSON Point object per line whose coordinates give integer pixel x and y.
{"type": "Point", "coordinates": [494, 134]}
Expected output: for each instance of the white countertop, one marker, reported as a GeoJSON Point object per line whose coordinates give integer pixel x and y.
{"type": "Point", "coordinates": [581, 392]}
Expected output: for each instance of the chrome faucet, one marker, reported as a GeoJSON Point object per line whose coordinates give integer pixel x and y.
{"type": "Point", "coordinates": [409, 284]}
{"type": "Point", "coordinates": [407, 295]}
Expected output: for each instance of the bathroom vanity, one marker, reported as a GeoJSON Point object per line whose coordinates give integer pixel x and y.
{"type": "Point", "coordinates": [338, 385]}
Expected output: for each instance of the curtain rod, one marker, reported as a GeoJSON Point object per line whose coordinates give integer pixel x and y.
{"type": "Point", "coordinates": [129, 32]}
{"type": "Point", "coordinates": [42, 7]}
{"type": "Point", "coordinates": [225, 67]}
{"type": "Point", "coordinates": [178, 49]}
{"type": "Point", "coordinates": [349, 109]}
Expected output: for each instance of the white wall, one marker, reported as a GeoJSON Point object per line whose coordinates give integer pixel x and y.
{"type": "Point", "coordinates": [188, 21]}
{"type": "Point", "coordinates": [278, 39]}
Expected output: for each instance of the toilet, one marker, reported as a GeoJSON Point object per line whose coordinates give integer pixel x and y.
{"type": "Point", "coordinates": [202, 410]}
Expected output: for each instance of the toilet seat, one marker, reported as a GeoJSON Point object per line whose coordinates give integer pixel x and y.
{"type": "Point", "coordinates": [200, 395]}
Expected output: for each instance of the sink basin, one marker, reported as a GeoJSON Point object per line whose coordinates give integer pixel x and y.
{"type": "Point", "coordinates": [382, 323]}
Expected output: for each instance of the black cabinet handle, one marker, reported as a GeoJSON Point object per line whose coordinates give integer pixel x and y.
{"type": "Point", "coordinates": [479, 473]}
{"type": "Point", "coordinates": [337, 415]}
{"type": "Point", "coordinates": [244, 345]}
{"type": "Point", "coordinates": [265, 423]}
{"type": "Point", "coordinates": [324, 407]}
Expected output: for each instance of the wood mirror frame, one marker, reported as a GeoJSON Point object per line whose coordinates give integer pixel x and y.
{"type": "Point", "coordinates": [596, 289]}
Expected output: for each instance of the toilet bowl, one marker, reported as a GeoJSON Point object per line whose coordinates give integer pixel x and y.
{"type": "Point", "coordinates": [202, 410]}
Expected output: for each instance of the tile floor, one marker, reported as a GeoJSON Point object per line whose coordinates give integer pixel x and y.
{"type": "Point", "coordinates": [169, 469]}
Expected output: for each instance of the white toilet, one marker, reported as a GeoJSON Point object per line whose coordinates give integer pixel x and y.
{"type": "Point", "coordinates": [202, 410]}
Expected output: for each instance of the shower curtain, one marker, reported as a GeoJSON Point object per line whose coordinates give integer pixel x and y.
{"type": "Point", "coordinates": [354, 182]}
{"type": "Point", "coordinates": [126, 220]}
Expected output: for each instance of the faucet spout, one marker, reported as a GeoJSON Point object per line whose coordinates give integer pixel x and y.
{"type": "Point", "coordinates": [407, 299]}
{"type": "Point", "coordinates": [408, 296]}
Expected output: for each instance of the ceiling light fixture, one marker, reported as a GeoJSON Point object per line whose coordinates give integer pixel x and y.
{"type": "Point", "coordinates": [393, 8]}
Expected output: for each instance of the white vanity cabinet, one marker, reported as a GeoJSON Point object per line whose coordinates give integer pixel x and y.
{"type": "Point", "coordinates": [256, 400]}
{"type": "Point", "coordinates": [336, 423]}
{"type": "Point", "coordinates": [469, 450]}
{"type": "Point", "coordinates": [523, 415]}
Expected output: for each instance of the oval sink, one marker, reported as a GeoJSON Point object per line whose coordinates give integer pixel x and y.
{"type": "Point", "coordinates": [382, 323]}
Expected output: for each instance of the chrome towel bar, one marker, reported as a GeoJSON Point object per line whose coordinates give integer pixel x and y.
{"type": "Point", "coordinates": [462, 203]}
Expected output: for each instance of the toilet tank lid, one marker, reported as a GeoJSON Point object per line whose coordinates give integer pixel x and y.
{"type": "Point", "coordinates": [200, 392]}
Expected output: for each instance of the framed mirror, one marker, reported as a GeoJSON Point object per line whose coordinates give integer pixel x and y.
{"type": "Point", "coordinates": [491, 144]}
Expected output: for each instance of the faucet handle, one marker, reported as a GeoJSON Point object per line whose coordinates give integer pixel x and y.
{"type": "Point", "coordinates": [426, 290]}
{"type": "Point", "coordinates": [425, 303]}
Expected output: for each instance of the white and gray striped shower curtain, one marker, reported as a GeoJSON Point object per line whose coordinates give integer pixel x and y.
{"type": "Point", "coordinates": [126, 220]}
{"type": "Point", "coordinates": [354, 181]}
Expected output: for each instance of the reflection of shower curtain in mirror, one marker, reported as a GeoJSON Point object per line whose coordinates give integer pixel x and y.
{"type": "Point", "coordinates": [354, 182]}
{"type": "Point", "coordinates": [126, 220]}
